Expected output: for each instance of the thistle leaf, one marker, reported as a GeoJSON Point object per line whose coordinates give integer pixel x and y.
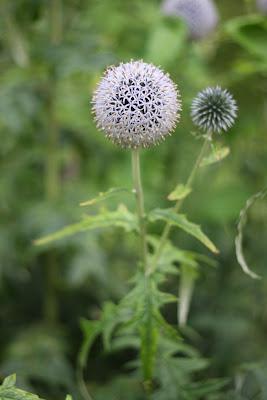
{"type": "Point", "coordinates": [91, 329]}
{"type": "Point", "coordinates": [216, 155]}
{"type": "Point", "coordinates": [180, 192]}
{"type": "Point", "coordinates": [120, 218]}
{"type": "Point", "coordinates": [180, 220]}
{"type": "Point", "coordinates": [8, 391]}
{"type": "Point", "coordinates": [104, 196]}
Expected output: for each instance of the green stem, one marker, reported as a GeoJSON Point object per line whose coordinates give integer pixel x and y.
{"type": "Point", "coordinates": [52, 180]}
{"type": "Point", "coordinates": [179, 203]}
{"type": "Point", "coordinates": [139, 204]}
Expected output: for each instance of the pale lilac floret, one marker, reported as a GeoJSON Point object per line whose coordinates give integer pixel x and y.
{"type": "Point", "coordinates": [201, 16]}
{"type": "Point", "coordinates": [136, 104]}
{"type": "Point", "coordinates": [262, 6]}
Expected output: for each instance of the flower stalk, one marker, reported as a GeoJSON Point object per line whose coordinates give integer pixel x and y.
{"type": "Point", "coordinates": [139, 194]}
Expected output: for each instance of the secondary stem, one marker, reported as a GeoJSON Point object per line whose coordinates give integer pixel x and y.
{"type": "Point", "coordinates": [52, 165]}
{"type": "Point", "coordinates": [139, 204]}
{"type": "Point", "coordinates": [179, 203]}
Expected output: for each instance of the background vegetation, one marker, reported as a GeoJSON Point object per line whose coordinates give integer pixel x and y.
{"type": "Point", "coordinates": [52, 157]}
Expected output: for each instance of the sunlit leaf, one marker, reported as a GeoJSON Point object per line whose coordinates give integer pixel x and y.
{"type": "Point", "coordinates": [104, 196]}
{"type": "Point", "coordinates": [181, 221]}
{"type": "Point", "coordinates": [216, 155]}
{"type": "Point", "coordinates": [8, 391]}
{"type": "Point", "coordinates": [180, 192]}
{"type": "Point", "coordinates": [120, 218]}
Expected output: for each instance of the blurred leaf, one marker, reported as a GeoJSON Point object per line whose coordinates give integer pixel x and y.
{"type": "Point", "coordinates": [166, 42]}
{"type": "Point", "coordinates": [180, 192]}
{"type": "Point", "coordinates": [91, 329]}
{"type": "Point", "coordinates": [217, 154]}
{"type": "Point", "coordinates": [36, 353]}
{"type": "Point", "coordinates": [104, 196]}
{"type": "Point", "coordinates": [180, 220]}
{"type": "Point", "coordinates": [8, 391]}
{"type": "Point", "coordinates": [250, 32]}
{"type": "Point", "coordinates": [240, 227]}
{"type": "Point", "coordinates": [120, 218]}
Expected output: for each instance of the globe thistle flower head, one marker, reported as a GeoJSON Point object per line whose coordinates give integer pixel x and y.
{"type": "Point", "coordinates": [201, 16]}
{"type": "Point", "coordinates": [214, 110]}
{"type": "Point", "coordinates": [262, 6]}
{"type": "Point", "coordinates": [136, 104]}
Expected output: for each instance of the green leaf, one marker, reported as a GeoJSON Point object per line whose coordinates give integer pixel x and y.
{"type": "Point", "coordinates": [180, 192]}
{"type": "Point", "coordinates": [91, 329]}
{"type": "Point", "coordinates": [216, 155]}
{"type": "Point", "coordinates": [8, 391]}
{"type": "Point", "coordinates": [250, 32]}
{"type": "Point", "coordinates": [180, 220]}
{"type": "Point", "coordinates": [10, 380]}
{"type": "Point", "coordinates": [166, 42]}
{"type": "Point", "coordinates": [119, 218]}
{"type": "Point", "coordinates": [104, 196]}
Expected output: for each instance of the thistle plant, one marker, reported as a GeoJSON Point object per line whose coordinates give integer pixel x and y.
{"type": "Point", "coordinates": [137, 105]}
{"type": "Point", "coordinates": [201, 16]}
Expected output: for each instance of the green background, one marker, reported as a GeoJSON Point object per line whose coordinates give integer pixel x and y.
{"type": "Point", "coordinates": [52, 54]}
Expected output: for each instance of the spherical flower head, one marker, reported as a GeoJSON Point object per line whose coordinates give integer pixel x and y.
{"type": "Point", "coordinates": [201, 16]}
{"type": "Point", "coordinates": [262, 6]}
{"type": "Point", "coordinates": [214, 110]}
{"type": "Point", "coordinates": [136, 104]}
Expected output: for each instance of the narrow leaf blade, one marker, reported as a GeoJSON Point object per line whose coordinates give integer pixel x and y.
{"type": "Point", "coordinates": [181, 221]}
{"type": "Point", "coordinates": [180, 192]}
{"type": "Point", "coordinates": [104, 196]}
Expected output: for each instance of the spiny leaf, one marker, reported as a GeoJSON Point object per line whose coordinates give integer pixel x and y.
{"type": "Point", "coordinates": [216, 155]}
{"type": "Point", "coordinates": [10, 380]}
{"type": "Point", "coordinates": [104, 196]}
{"type": "Point", "coordinates": [180, 220]}
{"type": "Point", "coordinates": [8, 391]}
{"type": "Point", "coordinates": [91, 329]}
{"type": "Point", "coordinates": [119, 218]}
{"type": "Point", "coordinates": [180, 192]}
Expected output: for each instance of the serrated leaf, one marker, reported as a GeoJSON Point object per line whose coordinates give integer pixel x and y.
{"type": "Point", "coordinates": [8, 391]}
{"type": "Point", "coordinates": [216, 155]}
{"type": "Point", "coordinates": [250, 32]}
{"type": "Point", "coordinates": [10, 381]}
{"type": "Point", "coordinates": [104, 196]}
{"type": "Point", "coordinates": [173, 33]}
{"type": "Point", "coordinates": [122, 218]}
{"type": "Point", "coordinates": [181, 221]}
{"type": "Point", "coordinates": [91, 329]}
{"type": "Point", "coordinates": [180, 192]}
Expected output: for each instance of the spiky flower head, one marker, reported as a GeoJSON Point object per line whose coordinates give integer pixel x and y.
{"type": "Point", "coordinates": [262, 6]}
{"type": "Point", "coordinates": [136, 104]}
{"type": "Point", "coordinates": [214, 110]}
{"type": "Point", "coordinates": [201, 16]}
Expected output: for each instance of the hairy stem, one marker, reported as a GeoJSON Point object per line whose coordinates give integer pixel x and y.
{"type": "Point", "coordinates": [139, 204]}
{"type": "Point", "coordinates": [179, 203]}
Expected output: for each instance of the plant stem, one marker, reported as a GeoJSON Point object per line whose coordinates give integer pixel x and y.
{"type": "Point", "coordinates": [179, 203]}
{"type": "Point", "coordinates": [139, 204]}
{"type": "Point", "coordinates": [52, 182]}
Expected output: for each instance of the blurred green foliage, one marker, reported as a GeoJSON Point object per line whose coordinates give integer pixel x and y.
{"type": "Point", "coordinates": [52, 158]}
